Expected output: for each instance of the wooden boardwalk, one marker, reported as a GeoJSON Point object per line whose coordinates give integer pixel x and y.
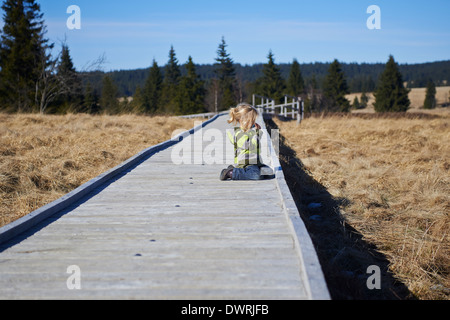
{"type": "Point", "coordinates": [166, 231]}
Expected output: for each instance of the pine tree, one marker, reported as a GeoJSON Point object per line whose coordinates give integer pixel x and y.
{"type": "Point", "coordinates": [272, 84]}
{"type": "Point", "coordinates": [312, 102]}
{"type": "Point", "coordinates": [391, 94]}
{"type": "Point", "coordinates": [138, 101]}
{"type": "Point", "coordinates": [59, 85]}
{"type": "Point", "coordinates": [152, 91]}
{"type": "Point", "coordinates": [335, 88]}
{"type": "Point", "coordinates": [171, 81]}
{"type": "Point", "coordinates": [71, 81]}
{"type": "Point", "coordinates": [356, 104]}
{"type": "Point", "coordinates": [364, 100]}
{"type": "Point", "coordinates": [108, 100]}
{"type": "Point", "coordinates": [430, 96]}
{"type": "Point", "coordinates": [23, 54]}
{"type": "Point", "coordinates": [65, 65]}
{"type": "Point", "coordinates": [225, 73]}
{"type": "Point", "coordinates": [295, 83]}
{"type": "Point", "coordinates": [90, 101]}
{"type": "Point", "coordinates": [191, 93]}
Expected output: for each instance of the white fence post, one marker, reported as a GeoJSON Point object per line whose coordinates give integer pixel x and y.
{"type": "Point", "coordinates": [268, 106]}
{"type": "Point", "coordinates": [293, 108]}
{"type": "Point", "coordinates": [303, 109]}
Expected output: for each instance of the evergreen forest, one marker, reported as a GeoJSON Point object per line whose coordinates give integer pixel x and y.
{"type": "Point", "coordinates": [33, 78]}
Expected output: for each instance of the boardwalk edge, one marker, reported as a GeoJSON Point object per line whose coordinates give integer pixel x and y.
{"type": "Point", "coordinates": [314, 278]}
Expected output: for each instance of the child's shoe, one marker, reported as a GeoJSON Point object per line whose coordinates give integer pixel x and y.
{"type": "Point", "coordinates": [227, 173]}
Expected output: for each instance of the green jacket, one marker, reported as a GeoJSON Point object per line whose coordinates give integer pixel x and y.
{"type": "Point", "coordinates": [246, 147]}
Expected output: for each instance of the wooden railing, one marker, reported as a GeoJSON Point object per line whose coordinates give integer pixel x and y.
{"type": "Point", "coordinates": [207, 115]}
{"type": "Point", "coordinates": [294, 108]}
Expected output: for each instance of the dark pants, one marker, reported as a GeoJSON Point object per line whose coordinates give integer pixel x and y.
{"type": "Point", "coordinates": [251, 172]}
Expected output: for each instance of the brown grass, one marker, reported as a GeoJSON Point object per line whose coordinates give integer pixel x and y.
{"type": "Point", "coordinates": [416, 96]}
{"type": "Point", "coordinates": [43, 157]}
{"type": "Point", "coordinates": [387, 183]}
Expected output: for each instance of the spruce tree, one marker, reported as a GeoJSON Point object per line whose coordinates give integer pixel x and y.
{"type": "Point", "coordinates": [430, 96]}
{"type": "Point", "coordinates": [108, 99]}
{"type": "Point", "coordinates": [69, 78]}
{"type": "Point", "coordinates": [225, 73]}
{"type": "Point", "coordinates": [272, 85]}
{"type": "Point", "coordinates": [364, 100]}
{"type": "Point", "coordinates": [171, 81]}
{"type": "Point", "coordinates": [138, 101]}
{"type": "Point", "coordinates": [356, 104]}
{"type": "Point", "coordinates": [65, 65]}
{"type": "Point", "coordinates": [151, 94]}
{"type": "Point", "coordinates": [335, 88]}
{"type": "Point", "coordinates": [90, 100]}
{"type": "Point", "coordinates": [295, 82]}
{"type": "Point", "coordinates": [23, 54]}
{"type": "Point", "coordinates": [390, 95]}
{"type": "Point", "coordinates": [191, 93]}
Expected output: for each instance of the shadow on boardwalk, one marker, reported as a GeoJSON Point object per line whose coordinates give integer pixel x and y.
{"type": "Point", "coordinates": [342, 252]}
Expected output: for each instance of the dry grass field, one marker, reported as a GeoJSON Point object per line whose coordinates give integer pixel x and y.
{"type": "Point", "coordinates": [43, 157]}
{"type": "Point", "coordinates": [416, 96]}
{"type": "Point", "coordinates": [383, 185]}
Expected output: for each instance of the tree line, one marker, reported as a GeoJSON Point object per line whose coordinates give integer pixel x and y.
{"type": "Point", "coordinates": [361, 76]}
{"type": "Point", "coordinates": [33, 80]}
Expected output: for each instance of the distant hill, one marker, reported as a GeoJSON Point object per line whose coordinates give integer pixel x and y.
{"type": "Point", "coordinates": [360, 76]}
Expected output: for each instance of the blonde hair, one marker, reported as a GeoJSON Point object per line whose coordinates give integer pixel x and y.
{"type": "Point", "coordinates": [245, 114]}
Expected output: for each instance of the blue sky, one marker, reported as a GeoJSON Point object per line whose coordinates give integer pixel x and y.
{"type": "Point", "coordinates": [134, 32]}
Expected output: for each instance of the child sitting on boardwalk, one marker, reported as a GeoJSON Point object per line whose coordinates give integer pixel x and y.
{"type": "Point", "coordinates": [246, 140]}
